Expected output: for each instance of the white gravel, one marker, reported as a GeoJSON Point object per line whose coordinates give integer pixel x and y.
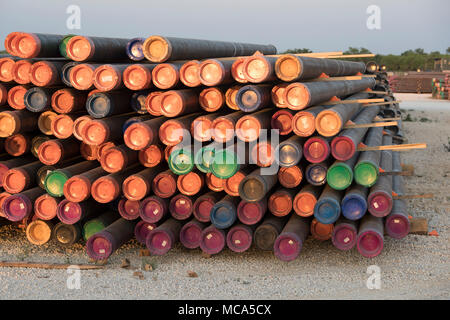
{"type": "Point", "coordinates": [416, 267]}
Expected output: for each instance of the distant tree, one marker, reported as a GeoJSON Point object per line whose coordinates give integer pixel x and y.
{"type": "Point", "coordinates": [419, 51]}
{"type": "Point", "coordinates": [405, 53]}
{"type": "Point", "coordinates": [354, 50]}
{"type": "Point", "coordinates": [448, 50]}
{"type": "Point", "coordinates": [298, 50]}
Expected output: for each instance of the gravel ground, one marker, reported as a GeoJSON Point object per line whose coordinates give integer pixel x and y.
{"type": "Point", "coordinates": [416, 267]}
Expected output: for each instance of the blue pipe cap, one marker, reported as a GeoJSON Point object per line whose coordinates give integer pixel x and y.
{"type": "Point", "coordinates": [223, 215]}
{"type": "Point", "coordinates": [354, 206]}
{"type": "Point", "coordinates": [327, 211]}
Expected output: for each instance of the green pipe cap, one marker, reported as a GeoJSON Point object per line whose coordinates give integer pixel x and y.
{"type": "Point", "coordinates": [339, 176]}
{"type": "Point", "coordinates": [366, 174]}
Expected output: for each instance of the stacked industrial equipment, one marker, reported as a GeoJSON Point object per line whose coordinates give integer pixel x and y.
{"type": "Point", "coordinates": [95, 150]}
{"type": "Point", "coordinates": [416, 82]}
{"type": "Point", "coordinates": [440, 87]}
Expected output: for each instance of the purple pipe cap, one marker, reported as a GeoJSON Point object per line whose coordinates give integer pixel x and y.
{"type": "Point", "coordinates": [181, 207]}
{"type": "Point", "coordinates": [344, 236]}
{"type": "Point", "coordinates": [287, 246]}
{"type": "Point", "coordinates": [202, 208]}
{"type": "Point", "coordinates": [100, 245]}
{"type": "Point", "coordinates": [370, 243]}
{"type": "Point", "coordinates": [191, 235]}
{"type": "Point", "coordinates": [239, 239]}
{"type": "Point", "coordinates": [397, 226]}
{"type": "Point", "coordinates": [250, 213]}
{"type": "Point", "coordinates": [129, 209]}
{"type": "Point", "coordinates": [159, 242]}
{"type": "Point", "coordinates": [380, 203]}
{"type": "Point", "coordinates": [69, 212]}
{"type": "Point", "coordinates": [152, 209]}
{"type": "Point", "coordinates": [142, 229]}
{"type": "Point", "coordinates": [213, 240]}
{"type": "Point", "coordinates": [17, 207]}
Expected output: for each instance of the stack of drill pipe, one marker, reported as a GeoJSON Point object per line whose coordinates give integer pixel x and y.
{"type": "Point", "coordinates": [440, 87]}
{"type": "Point", "coordinates": [95, 146]}
{"type": "Point", "coordinates": [415, 82]}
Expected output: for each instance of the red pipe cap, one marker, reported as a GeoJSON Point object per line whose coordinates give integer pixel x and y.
{"type": "Point", "coordinates": [27, 45]}
{"type": "Point", "coordinates": [95, 132]}
{"type": "Point", "coordinates": [113, 160]}
{"type": "Point", "coordinates": [211, 72]}
{"type": "Point", "coordinates": [80, 48]}
{"type": "Point", "coordinates": [62, 126]}
{"type": "Point", "coordinates": [211, 99]}
{"type": "Point", "coordinates": [17, 145]}
{"type": "Point", "coordinates": [107, 78]}
{"type": "Point", "coordinates": [6, 69]}
{"type": "Point", "coordinates": [151, 156]}
{"type": "Point", "coordinates": [201, 128]}
{"type": "Point", "coordinates": [78, 126]}
{"type": "Point", "coordinates": [282, 120]}
{"type": "Point", "coordinates": [171, 133]}
{"type": "Point", "coordinates": [82, 76]}
{"type": "Point", "coordinates": [190, 183]}
{"type": "Point", "coordinates": [63, 101]}
{"type": "Point", "coordinates": [280, 204]}
{"type": "Point", "coordinates": [50, 152]}
{"type": "Point", "coordinates": [15, 180]}
{"type": "Point", "coordinates": [21, 71]}
{"type": "Point", "coordinates": [248, 128]}
{"type": "Point", "coordinates": [105, 189]}
{"type": "Point", "coordinates": [135, 188]}
{"type": "Point", "coordinates": [45, 207]}
{"type": "Point", "coordinates": [189, 74]}
{"type": "Point", "coordinates": [138, 136]}
{"type": "Point", "coordinates": [222, 129]}
{"type": "Point", "coordinates": [16, 97]}
{"type": "Point", "coordinates": [77, 188]}
{"type": "Point", "coordinates": [137, 77]}
{"type": "Point", "coordinates": [165, 76]}
{"type": "Point", "coordinates": [41, 74]}
{"type": "Point", "coordinates": [172, 104]}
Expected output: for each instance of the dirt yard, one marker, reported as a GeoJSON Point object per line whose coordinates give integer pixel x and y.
{"type": "Point", "coordinates": [416, 267]}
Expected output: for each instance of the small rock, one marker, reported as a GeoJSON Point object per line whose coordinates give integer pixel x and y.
{"type": "Point", "coordinates": [148, 267]}
{"type": "Point", "coordinates": [192, 274]}
{"type": "Point", "coordinates": [138, 275]}
{"type": "Point", "coordinates": [125, 263]}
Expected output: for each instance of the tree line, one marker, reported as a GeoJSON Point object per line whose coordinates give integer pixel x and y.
{"type": "Point", "coordinates": [409, 60]}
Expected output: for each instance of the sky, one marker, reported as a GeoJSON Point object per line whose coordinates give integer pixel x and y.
{"type": "Point", "coordinates": [320, 25]}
